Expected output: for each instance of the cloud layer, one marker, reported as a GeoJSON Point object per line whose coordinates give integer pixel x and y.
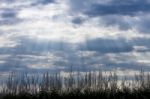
{"type": "Point", "coordinates": [55, 35]}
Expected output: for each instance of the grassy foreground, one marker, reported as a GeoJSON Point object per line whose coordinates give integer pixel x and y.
{"type": "Point", "coordinates": [91, 85]}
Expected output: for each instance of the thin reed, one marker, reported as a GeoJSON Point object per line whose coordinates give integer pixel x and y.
{"type": "Point", "coordinates": [75, 85]}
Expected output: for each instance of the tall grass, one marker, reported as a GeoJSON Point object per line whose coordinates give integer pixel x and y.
{"type": "Point", "coordinates": [75, 85]}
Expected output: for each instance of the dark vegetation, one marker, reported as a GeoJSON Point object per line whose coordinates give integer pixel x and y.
{"type": "Point", "coordinates": [90, 85]}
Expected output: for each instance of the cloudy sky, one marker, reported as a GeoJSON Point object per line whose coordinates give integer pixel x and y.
{"type": "Point", "coordinates": [55, 35]}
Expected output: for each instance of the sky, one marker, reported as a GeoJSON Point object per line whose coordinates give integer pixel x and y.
{"type": "Point", "coordinates": [85, 35]}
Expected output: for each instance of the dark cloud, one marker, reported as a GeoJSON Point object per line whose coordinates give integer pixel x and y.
{"type": "Point", "coordinates": [9, 21]}
{"type": "Point", "coordinates": [143, 42]}
{"type": "Point", "coordinates": [120, 45]}
{"type": "Point", "coordinates": [143, 25]}
{"type": "Point", "coordinates": [116, 20]}
{"type": "Point", "coordinates": [8, 13]}
{"type": "Point", "coordinates": [107, 45]}
{"type": "Point", "coordinates": [119, 7]}
{"type": "Point", "coordinates": [9, 16]}
{"type": "Point", "coordinates": [45, 1]}
{"type": "Point", "coordinates": [77, 20]}
{"type": "Point", "coordinates": [42, 2]}
{"type": "Point", "coordinates": [112, 7]}
{"type": "Point", "coordinates": [120, 13]}
{"type": "Point", "coordinates": [8, 1]}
